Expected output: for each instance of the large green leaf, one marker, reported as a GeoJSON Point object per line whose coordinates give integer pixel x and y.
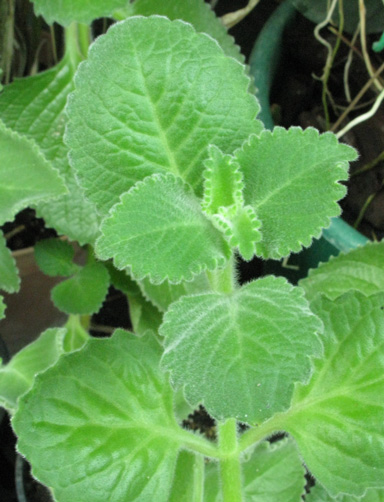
{"type": "Point", "coordinates": [291, 180]}
{"type": "Point", "coordinates": [196, 12]}
{"type": "Point", "coordinates": [25, 175]}
{"type": "Point", "coordinates": [151, 98]}
{"type": "Point", "coordinates": [318, 494]}
{"type": "Point", "coordinates": [272, 473]}
{"type": "Point", "coordinates": [99, 425]}
{"type": "Point", "coordinates": [9, 277]}
{"type": "Point", "coordinates": [34, 107]}
{"type": "Point", "coordinates": [159, 230]}
{"type": "Point", "coordinates": [361, 269]}
{"type": "Point", "coordinates": [338, 418]}
{"type": "Point", "coordinates": [252, 345]}
{"type": "Point", "coordinates": [82, 11]}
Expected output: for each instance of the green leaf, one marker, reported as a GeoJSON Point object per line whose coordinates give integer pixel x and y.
{"type": "Point", "coordinates": [183, 486]}
{"type": "Point", "coordinates": [161, 217]}
{"type": "Point", "coordinates": [9, 277]}
{"type": "Point", "coordinates": [272, 473]}
{"type": "Point", "coordinates": [151, 99]}
{"type": "Point", "coordinates": [2, 309]}
{"type": "Point", "coordinates": [291, 180]}
{"type": "Point", "coordinates": [81, 11]}
{"type": "Point", "coordinates": [319, 494]}
{"type": "Point", "coordinates": [18, 375]}
{"type": "Point", "coordinates": [196, 12]}
{"type": "Point", "coordinates": [54, 257]}
{"type": "Point", "coordinates": [338, 418]}
{"type": "Point", "coordinates": [253, 344]}
{"type": "Point", "coordinates": [83, 293]}
{"type": "Point", "coordinates": [99, 425]}
{"type": "Point", "coordinates": [361, 269]}
{"type": "Point", "coordinates": [25, 176]}
{"type": "Point", "coordinates": [34, 107]}
{"type": "Point", "coordinates": [145, 317]}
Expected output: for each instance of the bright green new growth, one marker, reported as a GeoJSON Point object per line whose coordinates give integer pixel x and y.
{"type": "Point", "coordinates": [9, 277]}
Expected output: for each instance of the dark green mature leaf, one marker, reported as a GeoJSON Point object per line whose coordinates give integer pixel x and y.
{"type": "Point", "coordinates": [66, 12]}
{"type": "Point", "coordinates": [318, 494]}
{"type": "Point", "coordinates": [151, 99]}
{"type": "Point", "coordinates": [25, 175]}
{"type": "Point", "coordinates": [9, 276]}
{"type": "Point", "coordinates": [253, 344]}
{"type": "Point", "coordinates": [196, 12]}
{"type": "Point", "coordinates": [338, 418]}
{"type": "Point", "coordinates": [361, 269]}
{"type": "Point", "coordinates": [54, 257]}
{"type": "Point", "coordinates": [34, 107]}
{"type": "Point", "coordinates": [159, 231]}
{"type": "Point", "coordinates": [83, 293]}
{"type": "Point", "coordinates": [291, 180]}
{"type": "Point", "coordinates": [273, 473]}
{"type": "Point", "coordinates": [99, 425]}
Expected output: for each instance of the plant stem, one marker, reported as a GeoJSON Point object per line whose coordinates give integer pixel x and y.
{"type": "Point", "coordinates": [230, 462]}
{"type": "Point", "coordinates": [77, 40]}
{"type": "Point", "coordinates": [198, 479]}
{"type": "Point", "coordinates": [224, 280]}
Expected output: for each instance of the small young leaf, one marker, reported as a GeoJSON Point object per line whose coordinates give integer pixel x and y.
{"type": "Point", "coordinates": [150, 99]}
{"type": "Point", "coordinates": [145, 317]}
{"type": "Point", "coordinates": [253, 344]}
{"type": "Point", "coordinates": [9, 277]}
{"type": "Point", "coordinates": [161, 217]}
{"type": "Point", "coordinates": [291, 180]}
{"type": "Point", "coordinates": [83, 293]}
{"type": "Point", "coordinates": [361, 269]}
{"type": "Point", "coordinates": [54, 257]}
{"type": "Point", "coordinates": [319, 494]}
{"type": "Point", "coordinates": [338, 418]}
{"type": "Point", "coordinates": [25, 176]}
{"type": "Point", "coordinates": [18, 375]}
{"type": "Point", "coordinates": [99, 424]}
{"type": "Point", "coordinates": [273, 473]}
{"type": "Point", "coordinates": [34, 107]}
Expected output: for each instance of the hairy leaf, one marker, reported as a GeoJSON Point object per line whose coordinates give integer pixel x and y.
{"type": "Point", "coordinates": [338, 418]}
{"type": "Point", "coordinates": [291, 180]}
{"type": "Point", "coordinates": [9, 276]}
{"type": "Point", "coordinates": [158, 230]}
{"type": "Point", "coordinates": [253, 344]}
{"type": "Point", "coordinates": [54, 257]}
{"type": "Point", "coordinates": [151, 99]}
{"type": "Point", "coordinates": [99, 425]}
{"type": "Point", "coordinates": [319, 494]}
{"type": "Point", "coordinates": [25, 175]}
{"type": "Point", "coordinates": [361, 269]}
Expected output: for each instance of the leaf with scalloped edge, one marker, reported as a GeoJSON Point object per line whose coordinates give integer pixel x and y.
{"type": "Point", "coordinates": [271, 473]}
{"type": "Point", "coordinates": [84, 292]}
{"type": "Point", "coordinates": [99, 425]}
{"type": "Point", "coordinates": [55, 257]}
{"type": "Point", "coordinates": [26, 176]}
{"type": "Point", "coordinates": [337, 419]}
{"type": "Point", "coordinates": [361, 269]}
{"type": "Point", "coordinates": [66, 12]}
{"type": "Point", "coordinates": [319, 494]}
{"type": "Point", "coordinates": [34, 107]}
{"type": "Point", "coordinates": [9, 275]}
{"type": "Point", "coordinates": [151, 98]}
{"type": "Point", "coordinates": [158, 230]}
{"type": "Point", "coordinates": [196, 12]}
{"type": "Point", "coordinates": [292, 181]}
{"type": "Point", "coordinates": [253, 344]}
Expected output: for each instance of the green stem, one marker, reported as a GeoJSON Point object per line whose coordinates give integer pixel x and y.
{"type": "Point", "coordinates": [198, 479]}
{"type": "Point", "coordinates": [256, 434]}
{"type": "Point", "coordinates": [76, 332]}
{"type": "Point", "coordinates": [230, 468]}
{"type": "Point", "coordinates": [77, 40]}
{"type": "Point", "coordinates": [224, 280]}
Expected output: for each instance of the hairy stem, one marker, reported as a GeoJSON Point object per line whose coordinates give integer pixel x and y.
{"type": "Point", "coordinates": [230, 468]}
{"type": "Point", "coordinates": [198, 479]}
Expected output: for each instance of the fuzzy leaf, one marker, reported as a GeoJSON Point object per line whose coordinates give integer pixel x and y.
{"type": "Point", "coordinates": [145, 317]}
{"type": "Point", "coordinates": [183, 486]}
{"type": "Point", "coordinates": [291, 180]}
{"type": "Point", "coordinates": [318, 494]}
{"type": "Point", "coordinates": [338, 418]}
{"type": "Point", "coordinates": [9, 276]}
{"type": "Point", "coordinates": [34, 107]}
{"type": "Point", "coordinates": [82, 11]}
{"type": "Point", "coordinates": [18, 375]}
{"type": "Point", "coordinates": [196, 12]}
{"type": "Point", "coordinates": [161, 217]}
{"type": "Point", "coordinates": [83, 293]}
{"type": "Point", "coordinates": [99, 425]}
{"type": "Point", "coordinates": [54, 257]}
{"type": "Point", "coordinates": [253, 344]}
{"type": "Point", "coordinates": [361, 269]}
{"type": "Point", "coordinates": [273, 473]}
{"type": "Point", "coordinates": [151, 99]}
{"type": "Point", "coordinates": [25, 176]}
